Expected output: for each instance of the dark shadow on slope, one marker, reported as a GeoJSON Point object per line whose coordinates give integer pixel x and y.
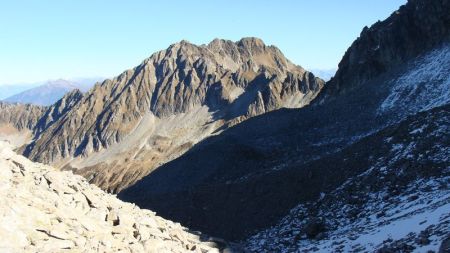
{"type": "Point", "coordinates": [237, 208]}
{"type": "Point", "coordinates": [251, 175]}
{"type": "Point", "coordinates": [227, 185]}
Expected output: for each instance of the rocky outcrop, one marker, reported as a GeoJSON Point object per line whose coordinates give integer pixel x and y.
{"type": "Point", "coordinates": [20, 116]}
{"type": "Point", "coordinates": [204, 89]}
{"type": "Point", "coordinates": [17, 122]}
{"type": "Point", "coordinates": [57, 111]}
{"type": "Point", "coordinates": [44, 210]}
{"type": "Point", "coordinates": [414, 29]}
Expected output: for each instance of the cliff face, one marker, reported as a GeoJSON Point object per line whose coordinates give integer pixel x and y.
{"type": "Point", "coordinates": [415, 28]}
{"type": "Point", "coordinates": [120, 129]}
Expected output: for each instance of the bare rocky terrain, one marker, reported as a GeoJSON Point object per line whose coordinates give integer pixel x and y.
{"type": "Point", "coordinates": [125, 127]}
{"type": "Point", "coordinates": [45, 210]}
{"type": "Point", "coordinates": [396, 199]}
{"type": "Point", "coordinates": [17, 122]}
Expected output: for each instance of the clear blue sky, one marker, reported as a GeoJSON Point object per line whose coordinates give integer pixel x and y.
{"type": "Point", "coordinates": [46, 39]}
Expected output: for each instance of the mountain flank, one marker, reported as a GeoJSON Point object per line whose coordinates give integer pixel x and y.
{"type": "Point", "coordinates": [394, 198]}
{"type": "Point", "coordinates": [125, 127]}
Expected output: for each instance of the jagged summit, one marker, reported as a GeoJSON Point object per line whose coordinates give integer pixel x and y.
{"type": "Point", "coordinates": [225, 55]}
{"type": "Point", "coordinates": [251, 42]}
{"type": "Point", "coordinates": [245, 42]}
{"type": "Point", "coordinates": [207, 88]}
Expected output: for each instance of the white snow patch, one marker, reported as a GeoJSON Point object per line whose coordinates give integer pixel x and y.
{"type": "Point", "coordinates": [419, 130]}
{"type": "Point", "coordinates": [426, 85]}
{"type": "Point", "coordinates": [404, 219]}
{"type": "Point", "coordinates": [402, 227]}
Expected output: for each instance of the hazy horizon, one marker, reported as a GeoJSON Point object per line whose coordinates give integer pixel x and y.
{"type": "Point", "coordinates": [68, 40]}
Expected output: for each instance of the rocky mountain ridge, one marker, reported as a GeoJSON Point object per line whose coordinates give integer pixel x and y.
{"type": "Point", "coordinates": [57, 111]}
{"type": "Point", "coordinates": [205, 88]}
{"type": "Point", "coordinates": [413, 29]}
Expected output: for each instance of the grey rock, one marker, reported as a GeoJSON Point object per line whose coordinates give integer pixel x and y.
{"type": "Point", "coordinates": [43, 219]}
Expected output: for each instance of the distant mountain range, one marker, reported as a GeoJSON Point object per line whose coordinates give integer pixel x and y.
{"type": "Point", "coordinates": [44, 94]}
{"type": "Point", "coordinates": [325, 74]}
{"type": "Point", "coordinates": [8, 90]}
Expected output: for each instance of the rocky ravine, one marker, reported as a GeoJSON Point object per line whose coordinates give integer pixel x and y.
{"type": "Point", "coordinates": [125, 127]}
{"type": "Point", "coordinates": [44, 210]}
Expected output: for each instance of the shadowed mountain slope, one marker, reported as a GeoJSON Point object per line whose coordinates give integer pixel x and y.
{"type": "Point", "coordinates": [230, 181]}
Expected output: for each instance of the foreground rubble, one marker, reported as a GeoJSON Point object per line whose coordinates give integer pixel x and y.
{"type": "Point", "coordinates": [44, 210]}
